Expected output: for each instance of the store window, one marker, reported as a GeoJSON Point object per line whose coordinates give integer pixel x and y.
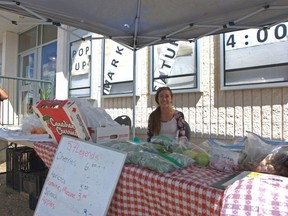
{"type": "Point", "coordinates": [49, 56]}
{"type": "Point", "coordinates": [37, 60]}
{"type": "Point", "coordinates": [175, 65]}
{"type": "Point", "coordinates": [49, 33]}
{"type": "Point", "coordinates": [118, 70]}
{"type": "Point", "coordinates": [28, 39]}
{"type": "Point", "coordinates": [255, 58]}
{"type": "Point", "coordinates": [80, 68]}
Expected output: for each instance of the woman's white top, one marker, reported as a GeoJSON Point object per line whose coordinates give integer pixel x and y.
{"type": "Point", "coordinates": [169, 128]}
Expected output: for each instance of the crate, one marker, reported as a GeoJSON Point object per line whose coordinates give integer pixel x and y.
{"type": "Point", "coordinates": [33, 182]}
{"type": "Point", "coordinates": [33, 200]}
{"type": "Point", "coordinates": [21, 159]}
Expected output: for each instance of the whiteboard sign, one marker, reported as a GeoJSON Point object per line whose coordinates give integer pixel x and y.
{"type": "Point", "coordinates": [81, 180]}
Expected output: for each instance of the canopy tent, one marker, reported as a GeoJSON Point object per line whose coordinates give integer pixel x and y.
{"type": "Point", "coordinates": [140, 23]}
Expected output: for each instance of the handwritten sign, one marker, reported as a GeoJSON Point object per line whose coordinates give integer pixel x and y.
{"type": "Point", "coordinates": [81, 180]}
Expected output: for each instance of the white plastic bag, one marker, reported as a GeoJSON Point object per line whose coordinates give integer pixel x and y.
{"type": "Point", "coordinates": [94, 116]}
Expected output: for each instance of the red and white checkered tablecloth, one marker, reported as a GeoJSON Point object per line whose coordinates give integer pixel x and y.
{"type": "Point", "coordinates": [140, 191]}
{"type": "Point", "coordinates": [261, 195]}
{"type": "Point", "coordinates": [46, 151]}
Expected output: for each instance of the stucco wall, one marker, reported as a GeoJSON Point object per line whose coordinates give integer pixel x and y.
{"type": "Point", "coordinates": [222, 114]}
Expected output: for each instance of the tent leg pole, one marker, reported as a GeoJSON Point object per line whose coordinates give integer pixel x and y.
{"type": "Point", "coordinates": [134, 91]}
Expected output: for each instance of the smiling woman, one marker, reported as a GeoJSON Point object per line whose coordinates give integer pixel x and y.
{"type": "Point", "coordinates": [165, 120]}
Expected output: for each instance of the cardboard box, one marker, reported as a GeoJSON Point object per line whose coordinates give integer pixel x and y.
{"type": "Point", "coordinates": [101, 135]}
{"type": "Point", "coordinates": [62, 117]}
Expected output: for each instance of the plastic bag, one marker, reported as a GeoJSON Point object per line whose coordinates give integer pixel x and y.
{"type": "Point", "coordinates": [198, 152]}
{"type": "Point", "coordinates": [152, 161]}
{"type": "Point", "coordinates": [182, 159]}
{"type": "Point", "coordinates": [168, 144]}
{"type": "Point", "coordinates": [265, 155]}
{"type": "Point", "coordinates": [226, 157]}
{"type": "Point", "coordinates": [32, 125]}
{"type": "Point", "coordinates": [127, 147]}
{"type": "Point", "coordinates": [239, 143]}
{"type": "Point", "coordinates": [149, 155]}
{"type": "Point", "coordinates": [94, 116]}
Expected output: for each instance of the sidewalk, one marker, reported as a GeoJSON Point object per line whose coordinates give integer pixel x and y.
{"type": "Point", "coordinates": [13, 203]}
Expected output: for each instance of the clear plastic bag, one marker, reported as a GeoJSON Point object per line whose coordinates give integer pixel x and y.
{"type": "Point", "coordinates": [267, 156]}
{"type": "Point", "coordinates": [168, 144]}
{"type": "Point", "coordinates": [226, 157]}
{"type": "Point", "coordinates": [32, 125]}
{"type": "Point", "coordinates": [151, 161]}
{"type": "Point", "coordinates": [198, 152]}
{"type": "Point", "coordinates": [94, 116]}
{"type": "Point", "coordinates": [182, 159]}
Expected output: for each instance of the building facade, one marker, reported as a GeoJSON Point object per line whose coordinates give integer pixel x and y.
{"type": "Point", "coordinates": [211, 104]}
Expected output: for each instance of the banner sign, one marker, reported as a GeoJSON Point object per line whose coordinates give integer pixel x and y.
{"type": "Point", "coordinates": [174, 65]}
{"type": "Point", "coordinates": [80, 55]}
{"type": "Point", "coordinates": [118, 67]}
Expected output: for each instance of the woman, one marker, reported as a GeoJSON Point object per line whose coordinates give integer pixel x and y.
{"type": "Point", "coordinates": [165, 120]}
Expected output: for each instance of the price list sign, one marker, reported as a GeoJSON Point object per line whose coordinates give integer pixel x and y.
{"type": "Point", "coordinates": [81, 180]}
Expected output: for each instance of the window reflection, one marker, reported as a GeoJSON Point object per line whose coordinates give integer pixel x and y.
{"type": "Point", "coordinates": [49, 56]}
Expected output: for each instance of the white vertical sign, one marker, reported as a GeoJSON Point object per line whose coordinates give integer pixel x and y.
{"type": "Point", "coordinates": [80, 55]}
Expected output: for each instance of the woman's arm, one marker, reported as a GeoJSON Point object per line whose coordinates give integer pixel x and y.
{"type": "Point", "coordinates": [149, 131]}
{"type": "Point", "coordinates": [179, 116]}
{"type": "Point", "coordinates": [3, 94]}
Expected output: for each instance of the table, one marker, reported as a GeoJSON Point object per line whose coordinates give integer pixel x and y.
{"type": "Point", "coordinates": [141, 191]}
{"type": "Point", "coordinates": [260, 195]}
{"type": "Point", "coordinates": [18, 137]}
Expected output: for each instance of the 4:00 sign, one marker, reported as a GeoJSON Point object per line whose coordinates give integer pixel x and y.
{"type": "Point", "coordinates": [254, 37]}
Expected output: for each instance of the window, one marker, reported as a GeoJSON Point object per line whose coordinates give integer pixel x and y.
{"type": "Point", "coordinates": [49, 56]}
{"type": "Point", "coordinates": [80, 67]}
{"type": "Point", "coordinates": [37, 59]}
{"type": "Point", "coordinates": [49, 33]}
{"type": "Point", "coordinates": [175, 65]}
{"type": "Point", "coordinates": [255, 58]}
{"type": "Point", "coordinates": [27, 40]}
{"type": "Point", "coordinates": [118, 70]}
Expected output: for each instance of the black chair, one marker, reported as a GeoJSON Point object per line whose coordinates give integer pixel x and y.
{"type": "Point", "coordinates": [123, 120]}
{"type": "Point", "coordinates": [187, 131]}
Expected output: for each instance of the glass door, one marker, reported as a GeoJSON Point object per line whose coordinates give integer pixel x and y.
{"type": "Point", "coordinates": [27, 87]}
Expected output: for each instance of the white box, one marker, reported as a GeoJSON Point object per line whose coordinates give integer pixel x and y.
{"type": "Point", "coordinates": [110, 134]}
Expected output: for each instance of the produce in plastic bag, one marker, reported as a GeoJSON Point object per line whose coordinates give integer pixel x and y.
{"type": "Point", "coordinates": [33, 125]}
{"type": "Point", "coordinates": [152, 162]}
{"type": "Point", "coordinates": [239, 143]}
{"type": "Point", "coordinates": [224, 157]}
{"type": "Point", "coordinates": [167, 143]}
{"type": "Point", "coordinates": [264, 155]}
{"type": "Point", "coordinates": [276, 162]}
{"type": "Point", "coordinates": [199, 152]}
{"type": "Point", "coordinates": [127, 147]}
{"type": "Point", "coordinates": [158, 147]}
{"type": "Point", "coordinates": [182, 159]}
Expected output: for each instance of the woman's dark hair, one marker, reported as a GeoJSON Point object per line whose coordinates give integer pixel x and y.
{"type": "Point", "coordinates": [161, 89]}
